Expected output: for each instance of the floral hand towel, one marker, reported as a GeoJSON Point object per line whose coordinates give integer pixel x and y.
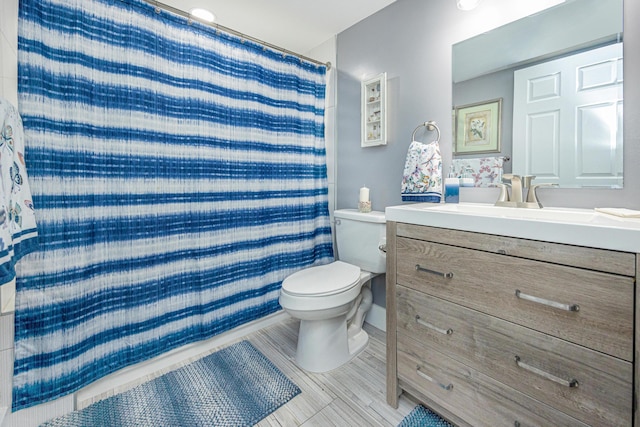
{"type": "Point", "coordinates": [18, 233]}
{"type": "Point", "coordinates": [422, 178]}
{"type": "Point", "coordinates": [486, 171]}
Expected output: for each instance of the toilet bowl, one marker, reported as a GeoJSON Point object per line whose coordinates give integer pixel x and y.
{"type": "Point", "coordinates": [332, 300]}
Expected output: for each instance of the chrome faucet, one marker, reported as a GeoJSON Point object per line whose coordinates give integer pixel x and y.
{"type": "Point", "coordinates": [515, 198]}
{"type": "Point", "coordinates": [518, 185]}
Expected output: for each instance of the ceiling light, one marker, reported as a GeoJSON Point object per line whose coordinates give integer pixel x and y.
{"type": "Point", "coordinates": [467, 4]}
{"type": "Point", "coordinates": [202, 14]}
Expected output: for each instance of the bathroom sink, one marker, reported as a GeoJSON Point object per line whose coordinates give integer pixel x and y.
{"type": "Point", "coordinates": [584, 227]}
{"type": "Point", "coordinates": [547, 214]}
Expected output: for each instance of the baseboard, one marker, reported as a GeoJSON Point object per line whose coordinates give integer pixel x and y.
{"type": "Point", "coordinates": [8, 297]}
{"type": "Point", "coordinates": [377, 317]}
{"type": "Point", "coordinates": [129, 377]}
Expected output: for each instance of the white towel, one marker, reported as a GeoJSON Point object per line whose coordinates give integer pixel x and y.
{"type": "Point", "coordinates": [621, 212]}
{"type": "Point", "coordinates": [18, 233]}
{"type": "Point", "coordinates": [422, 178]}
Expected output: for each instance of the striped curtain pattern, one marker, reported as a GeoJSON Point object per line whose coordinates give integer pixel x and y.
{"type": "Point", "coordinates": [178, 176]}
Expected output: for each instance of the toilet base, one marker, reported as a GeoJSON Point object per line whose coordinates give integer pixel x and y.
{"type": "Point", "coordinates": [324, 345]}
{"type": "Point", "coordinates": [358, 342]}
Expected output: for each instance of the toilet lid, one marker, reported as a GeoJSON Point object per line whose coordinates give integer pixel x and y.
{"type": "Point", "coordinates": [322, 280]}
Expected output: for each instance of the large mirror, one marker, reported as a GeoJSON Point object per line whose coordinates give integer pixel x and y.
{"type": "Point", "coordinates": [558, 78]}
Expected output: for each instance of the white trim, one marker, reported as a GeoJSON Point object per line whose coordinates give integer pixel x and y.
{"type": "Point", "coordinates": [7, 299]}
{"type": "Point", "coordinates": [3, 411]}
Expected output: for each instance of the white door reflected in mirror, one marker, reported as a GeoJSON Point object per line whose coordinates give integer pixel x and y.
{"type": "Point", "coordinates": [576, 99]}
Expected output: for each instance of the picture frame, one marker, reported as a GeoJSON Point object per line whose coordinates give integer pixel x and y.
{"type": "Point", "coordinates": [478, 127]}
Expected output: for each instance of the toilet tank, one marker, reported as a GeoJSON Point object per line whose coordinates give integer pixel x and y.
{"type": "Point", "coordinates": [358, 237]}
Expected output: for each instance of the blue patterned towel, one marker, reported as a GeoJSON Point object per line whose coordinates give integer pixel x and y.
{"type": "Point", "coordinates": [422, 178]}
{"type": "Point", "coordinates": [18, 233]}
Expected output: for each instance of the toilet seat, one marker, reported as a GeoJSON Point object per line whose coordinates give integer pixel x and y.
{"type": "Point", "coordinates": [323, 280]}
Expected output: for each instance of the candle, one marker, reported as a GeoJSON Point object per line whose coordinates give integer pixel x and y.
{"type": "Point", "coordinates": [364, 194]}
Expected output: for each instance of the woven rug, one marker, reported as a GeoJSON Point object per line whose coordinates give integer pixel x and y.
{"type": "Point", "coordinates": [423, 417]}
{"type": "Point", "coordinates": [236, 386]}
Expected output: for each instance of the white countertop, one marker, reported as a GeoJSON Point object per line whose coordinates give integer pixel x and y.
{"type": "Point", "coordinates": [581, 227]}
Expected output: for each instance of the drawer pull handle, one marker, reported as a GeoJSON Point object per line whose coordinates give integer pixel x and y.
{"type": "Point", "coordinates": [426, 270]}
{"type": "Point", "coordinates": [430, 379]}
{"type": "Point", "coordinates": [433, 327]}
{"type": "Point", "coordinates": [554, 304]}
{"type": "Point", "coordinates": [573, 383]}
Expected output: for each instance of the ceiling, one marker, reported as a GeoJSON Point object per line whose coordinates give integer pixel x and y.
{"type": "Point", "coordinates": [295, 25]}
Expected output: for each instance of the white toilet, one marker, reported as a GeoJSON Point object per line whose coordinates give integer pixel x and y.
{"type": "Point", "coordinates": [332, 300]}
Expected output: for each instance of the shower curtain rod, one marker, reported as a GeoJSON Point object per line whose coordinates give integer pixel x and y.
{"type": "Point", "coordinates": [187, 15]}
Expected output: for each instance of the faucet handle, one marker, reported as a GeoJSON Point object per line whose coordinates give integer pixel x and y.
{"type": "Point", "coordinates": [504, 193]}
{"type": "Point", "coordinates": [516, 187]}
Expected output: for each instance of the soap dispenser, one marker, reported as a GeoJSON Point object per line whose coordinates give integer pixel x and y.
{"type": "Point", "coordinates": [451, 187]}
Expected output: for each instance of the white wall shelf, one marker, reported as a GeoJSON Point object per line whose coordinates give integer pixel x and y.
{"type": "Point", "coordinates": [374, 111]}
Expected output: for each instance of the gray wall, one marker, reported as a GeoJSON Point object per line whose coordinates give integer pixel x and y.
{"type": "Point", "coordinates": [411, 40]}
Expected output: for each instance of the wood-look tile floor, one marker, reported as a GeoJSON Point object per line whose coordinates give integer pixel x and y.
{"type": "Point", "coordinates": [352, 395]}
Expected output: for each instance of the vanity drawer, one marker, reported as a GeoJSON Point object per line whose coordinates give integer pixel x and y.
{"type": "Point", "coordinates": [534, 294]}
{"type": "Point", "coordinates": [471, 395]}
{"type": "Point", "coordinates": [601, 396]}
{"type": "Point", "coordinates": [608, 261]}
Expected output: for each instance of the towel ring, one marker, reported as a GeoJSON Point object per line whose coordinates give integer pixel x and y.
{"type": "Point", "coordinates": [430, 125]}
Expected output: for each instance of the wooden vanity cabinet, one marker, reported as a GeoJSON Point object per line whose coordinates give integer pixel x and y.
{"type": "Point", "coordinates": [491, 330]}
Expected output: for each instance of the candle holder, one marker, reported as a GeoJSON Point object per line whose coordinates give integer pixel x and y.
{"type": "Point", "coordinates": [364, 207]}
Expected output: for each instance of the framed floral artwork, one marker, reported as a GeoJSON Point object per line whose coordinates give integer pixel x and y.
{"type": "Point", "coordinates": [477, 127]}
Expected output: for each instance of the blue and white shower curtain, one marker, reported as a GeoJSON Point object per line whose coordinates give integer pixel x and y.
{"type": "Point", "coordinates": [178, 176]}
